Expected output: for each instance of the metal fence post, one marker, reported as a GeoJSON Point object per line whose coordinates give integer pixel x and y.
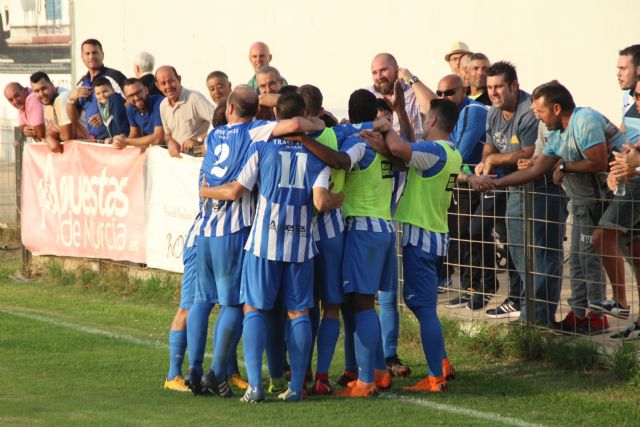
{"type": "Point", "coordinates": [528, 254]}
{"type": "Point", "coordinates": [19, 144]}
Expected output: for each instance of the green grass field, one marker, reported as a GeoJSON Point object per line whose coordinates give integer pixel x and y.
{"type": "Point", "coordinates": [70, 355]}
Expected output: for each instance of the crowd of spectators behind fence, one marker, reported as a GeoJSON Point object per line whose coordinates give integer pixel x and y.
{"type": "Point", "coordinates": [506, 136]}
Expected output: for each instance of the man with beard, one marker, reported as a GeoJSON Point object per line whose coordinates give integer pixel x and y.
{"type": "Point", "coordinates": [59, 126]}
{"type": "Point", "coordinates": [143, 114]}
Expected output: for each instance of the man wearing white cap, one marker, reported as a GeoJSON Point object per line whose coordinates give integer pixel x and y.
{"type": "Point", "coordinates": [458, 51]}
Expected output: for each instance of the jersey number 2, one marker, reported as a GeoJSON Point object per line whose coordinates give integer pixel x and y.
{"type": "Point", "coordinates": [222, 152]}
{"type": "Point", "coordinates": [301, 168]}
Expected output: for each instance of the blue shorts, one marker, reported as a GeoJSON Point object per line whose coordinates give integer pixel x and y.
{"type": "Point", "coordinates": [220, 267]}
{"type": "Point", "coordinates": [263, 281]}
{"type": "Point", "coordinates": [189, 277]}
{"type": "Point", "coordinates": [421, 272]}
{"type": "Point", "coordinates": [367, 262]}
{"type": "Point", "coordinates": [328, 269]}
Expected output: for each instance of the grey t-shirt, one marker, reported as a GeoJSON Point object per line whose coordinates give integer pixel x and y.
{"type": "Point", "coordinates": [517, 133]}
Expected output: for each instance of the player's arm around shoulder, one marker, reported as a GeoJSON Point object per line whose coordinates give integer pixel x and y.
{"type": "Point", "coordinates": [323, 199]}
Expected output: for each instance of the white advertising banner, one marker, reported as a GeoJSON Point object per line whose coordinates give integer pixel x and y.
{"type": "Point", "coordinates": [172, 205]}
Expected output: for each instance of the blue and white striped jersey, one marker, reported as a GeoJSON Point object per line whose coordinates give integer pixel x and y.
{"type": "Point", "coordinates": [327, 225]}
{"type": "Point", "coordinates": [226, 154]}
{"type": "Point", "coordinates": [286, 174]}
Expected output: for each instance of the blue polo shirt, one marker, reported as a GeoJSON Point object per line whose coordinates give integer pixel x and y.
{"type": "Point", "coordinates": [149, 120]}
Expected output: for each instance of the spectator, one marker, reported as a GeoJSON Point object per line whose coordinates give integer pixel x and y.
{"type": "Point", "coordinates": [576, 152]}
{"type": "Point", "coordinates": [454, 57]}
{"type": "Point", "coordinates": [385, 72]}
{"type": "Point", "coordinates": [477, 73]}
{"type": "Point", "coordinates": [59, 127]}
{"type": "Point", "coordinates": [143, 70]}
{"type": "Point", "coordinates": [512, 131]}
{"type": "Point", "coordinates": [219, 87]}
{"type": "Point", "coordinates": [186, 114]}
{"type": "Point", "coordinates": [259, 56]}
{"type": "Point", "coordinates": [628, 73]}
{"type": "Point", "coordinates": [143, 116]}
{"type": "Point", "coordinates": [111, 110]}
{"type": "Point", "coordinates": [82, 97]}
{"type": "Point", "coordinates": [270, 83]}
{"type": "Point", "coordinates": [30, 111]}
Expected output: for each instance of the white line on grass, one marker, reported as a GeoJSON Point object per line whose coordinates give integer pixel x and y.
{"type": "Point", "coordinates": [489, 416]}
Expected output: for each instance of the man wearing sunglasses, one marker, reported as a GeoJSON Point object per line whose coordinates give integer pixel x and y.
{"type": "Point", "coordinates": [143, 114]}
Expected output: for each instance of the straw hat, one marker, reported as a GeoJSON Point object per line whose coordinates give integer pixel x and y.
{"type": "Point", "coordinates": [458, 47]}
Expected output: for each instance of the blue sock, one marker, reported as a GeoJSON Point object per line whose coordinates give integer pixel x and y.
{"type": "Point", "coordinates": [275, 345]}
{"type": "Point", "coordinates": [232, 366]}
{"type": "Point", "coordinates": [197, 323]}
{"type": "Point", "coordinates": [254, 340]}
{"type": "Point", "coordinates": [367, 337]}
{"type": "Point", "coordinates": [380, 364]}
{"type": "Point", "coordinates": [299, 346]}
{"type": "Point", "coordinates": [229, 321]}
{"type": "Point", "coordinates": [327, 338]}
{"type": "Point", "coordinates": [389, 322]}
{"type": "Point", "coordinates": [177, 346]}
{"type": "Point", "coordinates": [314, 316]}
{"type": "Point", "coordinates": [432, 338]}
{"type": "Point", "coordinates": [349, 322]}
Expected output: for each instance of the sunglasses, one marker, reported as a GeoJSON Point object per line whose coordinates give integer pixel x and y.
{"type": "Point", "coordinates": [448, 92]}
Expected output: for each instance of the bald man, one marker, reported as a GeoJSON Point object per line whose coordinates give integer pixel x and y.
{"type": "Point", "coordinates": [259, 56]}
{"type": "Point", "coordinates": [30, 110]}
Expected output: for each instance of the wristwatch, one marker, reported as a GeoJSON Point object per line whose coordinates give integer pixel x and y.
{"type": "Point", "coordinates": [561, 167]}
{"type": "Point", "coordinates": [413, 79]}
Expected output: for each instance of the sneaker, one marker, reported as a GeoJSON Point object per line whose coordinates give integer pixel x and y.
{"type": "Point", "coordinates": [237, 381]}
{"type": "Point", "coordinates": [211, 386]}
{"type": "Point", "coordinates": [573, 323]}
{"type": "Point", "coordinates": [383, 379]}
{"type": "Point", "coordinates": [195, 381]}
{"type": "Point", "coordinates": [429, 384]}
{"type": "Point", "coordinates": [508, 309]}
{"type": "Point", "coordinates": [630, 333]}
{"type": "Point", "coordinates": [596, 324]}
{"type": "Point", "coordinates": [448, 370]}
{"type": "Point", "coordinates": [176, 384]}
{"type": "Point", "coordinates": [346, 378]}
{"type": "Point", "coordinates": [478, 301]}
{"type": "Point", "coordinates": [290, 396]}
{"type": "Point", "coordinates": [612, 307]}
{"type": "Point", "coordinates": [321, 385]}
{"type": "Point", "coordinates": [396, 367]}
{"type": "Point", "coordinates": [253, 395]}
{"type": "Point", "coordinates": [460, 301]}
{"type": "Point", "coordinates": [359, 389]}
{"type": "Point", "coordinates": [277, 385]}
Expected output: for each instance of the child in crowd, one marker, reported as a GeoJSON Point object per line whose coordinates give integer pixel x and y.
{"type": "Point", "coordinates": [112, 114]}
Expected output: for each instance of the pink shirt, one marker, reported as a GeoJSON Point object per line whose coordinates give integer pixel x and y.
{"type": "Point", "coordinates": [33, 113]}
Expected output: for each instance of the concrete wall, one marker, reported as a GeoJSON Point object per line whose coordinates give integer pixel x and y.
{"type": "Point", "coordinates": [331, 43]}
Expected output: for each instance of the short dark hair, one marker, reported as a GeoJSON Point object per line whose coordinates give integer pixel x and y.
{"type": "Point", "coordinates": [445, 112]}
{"type": "Point", "coordinates": [505, 68]}
{"type": "Point", "coordinates": [288, 89]}
{"type": "Point", "coordinates": [132, 81]}
{"type": "Point", "coordinates": [39, 75]}
{"type": "Point", "coordinates": [219, 116]}
{"type": "Point", "coordinates": [634, 52]}
{"type": "Point", "coordinates": [290, 105]}
{"type": "Point", "coordinates": [478, 55]}
{"type": "Point", "coordinates": [362, 106]}
{"type": "Point", "coordinates": [555, 93]}
{"type": "Point", "coordinates": [312, 99]}
{"type": "Point", "coordinates": [92, 42]}
{"type": "Point", "coordinates": [382, 105]}
{"type": "Point", "coordinates": [218, 75]}
{"type": "Point", "coordinates": [245, 106]}
{"type": "Point", "coordinates": [102, 81]}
